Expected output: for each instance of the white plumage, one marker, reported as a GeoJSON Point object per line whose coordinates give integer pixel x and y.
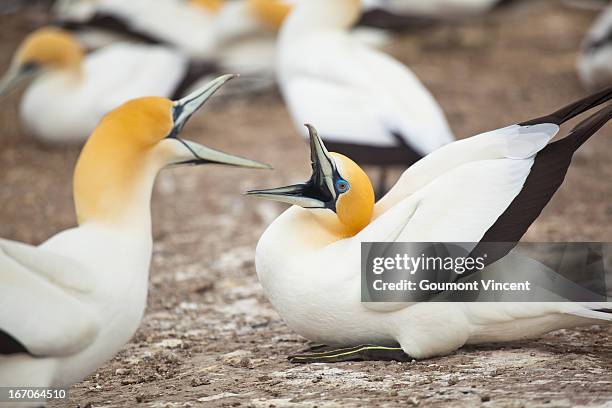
{"type": "Point", "coordinates": [75, 300]}
{"type": "Point", "coordinates": [352, 93]}
{"type": "Point", "coordinates": [234, 37]}
{"type": "Point", "coordinates": [187, 27]}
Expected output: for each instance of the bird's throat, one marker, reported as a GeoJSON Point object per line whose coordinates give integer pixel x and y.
{"type": "Point", "coordinates": [114, 189]}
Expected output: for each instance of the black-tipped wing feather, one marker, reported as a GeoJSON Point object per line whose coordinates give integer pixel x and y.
{"type": "Point", "coordinates": [546, 176]}
{"type": "Point", "coordinates": [572, 110]}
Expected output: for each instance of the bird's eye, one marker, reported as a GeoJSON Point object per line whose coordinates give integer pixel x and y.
{"type": "Point", "coordinates": [342, 186]}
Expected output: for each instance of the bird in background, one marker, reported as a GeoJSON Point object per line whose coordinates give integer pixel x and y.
{"type": "Point", "coordinates": [309, 259]}
{"type": "Point", "coordinates": [71, 90]}
{"type": "Point", "coordinates": [366, 104]}
{"type": "Point", "coordinates": [187, 25]}
{"type": "Point", "coordinates": [218, 36]}
{"type": "Point", "coordinates": [595, 61]}
{"type": "Point", "coordinates": [70, 304]}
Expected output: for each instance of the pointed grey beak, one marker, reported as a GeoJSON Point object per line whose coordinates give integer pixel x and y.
{"type": "Point", "coordinates": [198, 154]}
{"type": "Point", "coordinates": [298, 194]}
{"type": "Point", "coordinates": [319, 191]}
{"type": "Point", "coordinates": [16, 75]}
{"type": "Point", "coordinates": [187, 106]}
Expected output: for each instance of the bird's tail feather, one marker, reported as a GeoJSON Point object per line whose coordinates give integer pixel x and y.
{"type": "Point", "coordinates": [575, 109]}
{"type": "Point", "coordinates": [595, 312]}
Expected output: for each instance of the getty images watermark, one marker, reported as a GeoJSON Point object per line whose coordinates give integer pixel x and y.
{"type": "Point", "coordinates": [486, 272]}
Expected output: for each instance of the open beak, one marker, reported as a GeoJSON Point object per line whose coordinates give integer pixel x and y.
{"type": "Point", "coordinates": [198, 154]}
{"type": "Point", "coordinates": [319, 191]}
{"type": "Point", "coordinates": [16, 75]}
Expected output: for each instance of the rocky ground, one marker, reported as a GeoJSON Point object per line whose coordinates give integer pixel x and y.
{"type": "Point", "coordinates": [210, 338]}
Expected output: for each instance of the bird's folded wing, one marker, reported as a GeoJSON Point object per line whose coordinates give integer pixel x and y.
{"type": "Point", "coordinates": [367, 108]}
{"type": "Point", "coordinates": [40, 304]}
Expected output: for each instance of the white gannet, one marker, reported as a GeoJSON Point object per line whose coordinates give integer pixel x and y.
{"type": "Point", "coordinates": [202, 29]}
{"type": "Point", "coordinates": [216, 35]}
{"type": "Point", "coordinates": [595, 61]}
{"type": "Point", "coordinates": [186, 25]}
{"type": "Point", "coordinates": [366, 104]}
{"type": "Point", "coordinates": [308, 260]}
{"type": "Point", "coordinates": [71, 91]}
{"type": "Point", "coordinates": [70, 304]}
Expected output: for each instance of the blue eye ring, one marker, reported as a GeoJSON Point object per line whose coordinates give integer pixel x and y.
{"type": "Point", "coordinates": [342, 186]}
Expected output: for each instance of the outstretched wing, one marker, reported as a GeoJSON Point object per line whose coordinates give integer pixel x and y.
{"type": "Point", "coordinates": [40, 308]}
{"type": "Point", "coordinates": [489, 188]}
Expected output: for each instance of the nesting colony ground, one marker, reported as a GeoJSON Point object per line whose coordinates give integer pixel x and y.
{"type": "Point", "coordinates": [210, 338]}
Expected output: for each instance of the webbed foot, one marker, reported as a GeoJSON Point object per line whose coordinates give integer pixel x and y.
{"type": "Point", "coordinates": [366, 352]}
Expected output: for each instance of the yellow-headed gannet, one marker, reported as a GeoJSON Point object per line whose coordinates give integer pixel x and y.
{"type": "Point", "coordinates": [71, 91]}
{"type": "Point", "coordinates": [366, 104]}
{"type": "Point", "coordinates": [70, 304]}
{"type": "Point", "coordinates": [308, 260]}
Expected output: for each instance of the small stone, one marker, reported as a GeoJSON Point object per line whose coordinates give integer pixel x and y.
{"type": "Point", "coordinates": [197, 382]}
{"type": "Point", "coordinates": [414, 401]}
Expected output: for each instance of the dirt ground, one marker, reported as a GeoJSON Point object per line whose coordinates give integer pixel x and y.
{"type": "Point", "coordinates": [210, 338]}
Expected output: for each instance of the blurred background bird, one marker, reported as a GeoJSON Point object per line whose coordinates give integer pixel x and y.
{"type": "Point", "coordinates": [71, 91]}
{"type": "Point", "coordinates": [218, 35]}
{"type": "Point", "coordinates": [595, 62]}
{"type": "Point", "coordinates": [364, 103]}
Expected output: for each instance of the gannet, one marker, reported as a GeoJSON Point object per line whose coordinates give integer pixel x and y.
{"type": "Point", "coordinates": [308, 260]}
{"type": "Point", "coordinates": [366, 104]}
{"type": "Point", "coordinates": [187, 25]}
{"type": "Point", "coordinates": [70, 304]}
{"type": "Point", "coordinates": [595, 62]}
{"type": "Point", "coordinates": [71, 91]}
{"type": "Point", "coordinates": [208, 30]}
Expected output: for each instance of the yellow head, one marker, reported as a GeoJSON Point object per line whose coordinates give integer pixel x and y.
{"type": "Point", "coordinates": [213, 6]}
{"type": "Point", "coordinates": [354, 207]}
{"type": "Point", "coordinates": [337, 184]}
{"type": "Point", "coordinates": [48, 48]}
{"type": "Point", "coordinates": [271, 12]}
{"type": "Point", "coordinates": [115, 172]}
